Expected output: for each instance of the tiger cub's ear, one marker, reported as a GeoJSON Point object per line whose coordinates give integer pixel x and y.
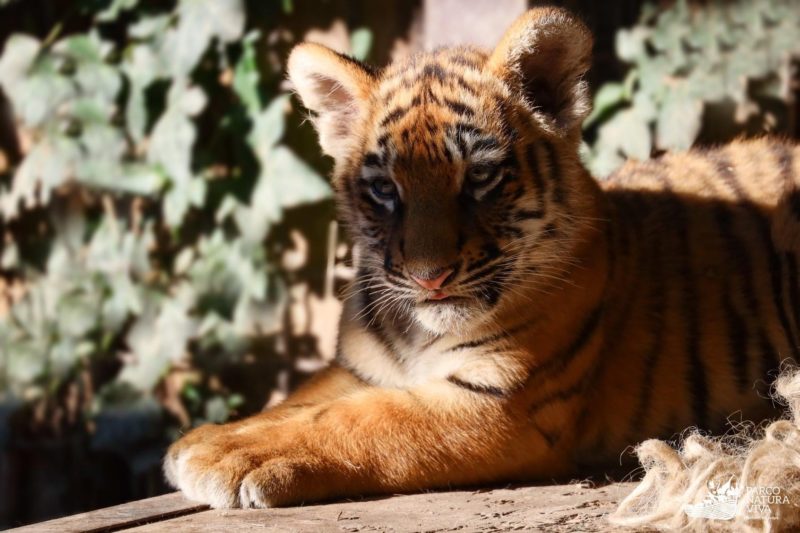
{"type": "Point", "coordinates": [336, 89]}
{"type": "Point", "coordinates": [545, 53]}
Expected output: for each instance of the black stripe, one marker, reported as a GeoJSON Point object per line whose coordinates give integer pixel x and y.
{"type": "Point", "coordinates": [698, 380]}
{"type": "Point", "coordinates": [776, 279]}
{"type": "Point", "coordinates": [394, 116]}
{"type": "Point", "coordinates": [483, 272]}
{"type": "Point", "coordinates": [560, 360]}
{"type": "Point", "coordinates": [480, 389]}
{"type": "Point", "coordinates": [785, 162]}
{"type": "Point", "coordinates": [430, 342]}
{"type": "Point", "coordinates": [372, 71]}
{"type": "Point", "coordinates": [770, 361]}
{"type": "Point", "coordinates": [459, 107]}
{"type": "Point", "coordinates": [486, 340]}
{"type": "Point", "coordinates": [550, 439]}
{"type": "Point", "coordinates": [463, 127]}
{"type": "Point", "coordinates": [737, 340]}
{"type": "Point", "coordinates": [658, 310]}
{"type": "Point", "coordinates": [434, 71]}
{"type": "Point", "coordinates": [555, 171]}
{"type": "Point", "coordinates": [739, 255]}
{"type": "Point", "coordinates": [536, 176]}
{"type": "Point", "coordinates": [794, 204]}
{"type": "Point", "coordinates": [370, 320]}
{"type": "Point", "coordinates": [725, 169]}
{"type": "Point", "coordinates": [383, 141]}
{"type": "Point", "coordinates": [549, 231]}
{"type": "Point", "coordinates": [431, 97]}
{"type": "Point", "coordinates": [505, 113]}
{"type": "Point", "coordinates": [490, 253]}
{"type": "Point", "coordinates": [372, 160]}
{"type": "Point", "coordinates": [462, 60]}
{"type": "Point", "coordinates": [794, 290]}
{"type": "Point", "coordinates": [561, 395]}
{"type": "Point", "coordinates": [527, 214]}
{"type": "Point", "coordinates": [447, 154]}
{"type": "Point", "coordinates": [486, 143]}
{"type": "Point", "coordinates": [319, 414]}
{"type": "Point", "coordinates": [491, 292]}
{"type": "Point", "coordinates": [509, 231]}
{"type": "Point", "coordinates": [464, 85]}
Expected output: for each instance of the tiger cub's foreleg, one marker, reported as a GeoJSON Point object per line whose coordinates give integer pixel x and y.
{"type": "Point", "coordinates": [369, 440]}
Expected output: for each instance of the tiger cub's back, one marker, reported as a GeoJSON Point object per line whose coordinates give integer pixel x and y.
{"type": "Point", "coordinates": [704, 253]}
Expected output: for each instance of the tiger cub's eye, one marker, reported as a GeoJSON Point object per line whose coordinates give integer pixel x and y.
{"type": "Point", "coordinates": [481, 175]}
{"type": "Point", "coordinates": [383, 189]}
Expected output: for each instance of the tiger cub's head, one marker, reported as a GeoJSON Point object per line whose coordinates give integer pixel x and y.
{"type": "Point", "coordinates": [457, 171]}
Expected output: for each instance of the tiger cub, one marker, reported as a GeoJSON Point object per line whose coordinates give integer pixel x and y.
{"type": "Point", "coordinates": [512, 319]}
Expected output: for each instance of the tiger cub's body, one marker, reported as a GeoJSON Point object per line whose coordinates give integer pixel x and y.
{"type": "Point", "coordinates": [512, 319]}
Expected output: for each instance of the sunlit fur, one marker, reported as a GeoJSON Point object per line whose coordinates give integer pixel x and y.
{"type": "Point", "coordinates": [578, 319]}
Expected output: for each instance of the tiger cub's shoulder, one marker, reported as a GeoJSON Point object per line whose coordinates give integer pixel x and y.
{"type": "Point", "coordinates": [755, 170]}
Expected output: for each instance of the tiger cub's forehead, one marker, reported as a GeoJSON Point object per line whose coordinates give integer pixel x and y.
{"type": "Point", "coordinates": [437, 109]}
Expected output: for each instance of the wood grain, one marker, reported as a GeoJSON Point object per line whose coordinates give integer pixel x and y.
{"type": "Point", "coordinates": [557, 508]}
{"type": "Point", "coordinates": [542, 508]}
{"type": "Point", "coordinates": [119, 517]}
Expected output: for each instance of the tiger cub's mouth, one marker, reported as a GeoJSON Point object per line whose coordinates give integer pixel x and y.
{"type": "Point", "coordinates": [441, 297]}
{"type": "Point", "coordinates": [437, 296]}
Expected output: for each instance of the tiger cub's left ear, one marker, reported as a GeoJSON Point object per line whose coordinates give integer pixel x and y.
{"type": "Point", "coordinates": [545, 54]}
{"type": "Point", "coordinates": [336, 89]}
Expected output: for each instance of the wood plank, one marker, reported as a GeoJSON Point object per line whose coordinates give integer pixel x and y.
{"type": "Point", "coordinates": [545, 508]}
{"type": "Point", "coordinates": [119, 517]}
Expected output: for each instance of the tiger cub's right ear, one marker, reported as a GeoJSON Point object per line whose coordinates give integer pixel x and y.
{"type": "Point", "coordinates": [336, 89]}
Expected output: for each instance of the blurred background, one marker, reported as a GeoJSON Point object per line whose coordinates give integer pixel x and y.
{"type": "Point", "coordinates": [168, 255]}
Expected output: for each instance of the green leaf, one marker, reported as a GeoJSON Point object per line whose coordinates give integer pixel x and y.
{"type": "Point", "coordinates": [76, 313]}
{"type": "Point", "coordinates": [157, 340]}
{"type": "Point", "coordinates": [48, 165]}
{"type": "Point", "coordinates": [630, 44]}
{"type": "Point", "coordinates": [170, 148]}
{"type": "Point", "coordinates": [199, 22]}
{"type": "Point", "coordinates": [142, 66]}
{"type": "Point", "coordinates": [628, 134]}
{"type": "Point", "coordinates": [95, 79]}
{"type": "Point", "coordinates": [360, 43]}
{"type": "Point", "coordinates": [245, 74]}
{"type": "Point", "coordinates": [679, 122]}
{"type": "Point", "coordinates": [18, 57]}
{"type": "Point", "coordinates": [269, 126]}
{"type": "Point", "coordinates": [216, 410]}
{"type": "Point", "coordinates": [10, 256]}
{"type": "Point", "coordinates": [25, 361]}
{"type": "Point", "coordinates": [607, 97]}
{"type": "Point", "coordinates": [31, 81]}
{"type": "Point", "coordinates": [285, 181]}
{"type": "Point", "coordinates": [111, 13]}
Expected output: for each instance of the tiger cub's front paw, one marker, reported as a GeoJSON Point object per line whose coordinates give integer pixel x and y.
{"type": "Point", "coordinates": [224, 468]}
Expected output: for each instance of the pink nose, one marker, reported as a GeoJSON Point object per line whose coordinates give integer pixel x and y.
{"type": "Point", "coordinates": [433, 283]}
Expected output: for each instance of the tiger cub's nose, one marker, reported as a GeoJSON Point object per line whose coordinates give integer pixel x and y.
{"type": "Point", "coordinates": [435, 281]}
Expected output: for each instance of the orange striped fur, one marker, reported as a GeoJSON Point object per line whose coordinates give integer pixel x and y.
{"type": "Point", "coordinates": [554, 322]}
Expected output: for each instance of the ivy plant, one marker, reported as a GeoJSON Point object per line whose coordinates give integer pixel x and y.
{"type": "Point", "coordinates": [694, 68]}
{"type": "Point", "coordinates": [135, 225]}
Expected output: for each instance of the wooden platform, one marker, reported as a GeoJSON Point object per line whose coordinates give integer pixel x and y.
{"type": "Point", "coordinates": [547, 508]}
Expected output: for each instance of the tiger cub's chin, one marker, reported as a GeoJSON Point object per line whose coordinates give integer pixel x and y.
{"type": "Point", "coordinates": [456, 318]}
